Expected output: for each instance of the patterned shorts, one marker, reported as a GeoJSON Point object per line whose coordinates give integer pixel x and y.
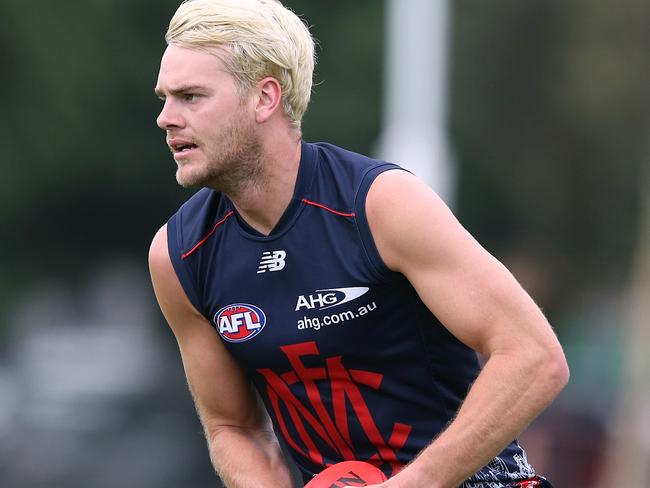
{"type": "Point", "coordinates": [534, 482]}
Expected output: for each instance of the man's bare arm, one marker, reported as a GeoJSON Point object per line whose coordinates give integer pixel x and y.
{"type": "Point", "coordinates": [242, 444]}
{"type": "Point", "coordinates": [481, 303]}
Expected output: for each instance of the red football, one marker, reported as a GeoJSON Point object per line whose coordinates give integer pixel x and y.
{"type": "Point", "coordinates": [347, 473]}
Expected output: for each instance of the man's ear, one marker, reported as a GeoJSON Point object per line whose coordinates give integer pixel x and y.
{"type": "Point", "coordinates": [269, 97]}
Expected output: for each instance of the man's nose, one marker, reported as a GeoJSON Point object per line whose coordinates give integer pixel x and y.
{"type": "Point", "coordinates": [169, 116]}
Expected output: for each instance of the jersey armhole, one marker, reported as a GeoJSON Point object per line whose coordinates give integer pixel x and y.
{"type": "Point", "coordinates": [184, 274]}
{"type": "Point", "coordinates": [363, 228]}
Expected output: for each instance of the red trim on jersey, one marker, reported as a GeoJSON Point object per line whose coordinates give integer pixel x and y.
{"type": "Point", "coordinates": [202, 241]}
{"type": "Point", "coordinates": [320, 205]}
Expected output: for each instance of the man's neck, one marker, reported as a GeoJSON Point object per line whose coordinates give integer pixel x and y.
{"type": "Point", "coordinates": [262, 202]}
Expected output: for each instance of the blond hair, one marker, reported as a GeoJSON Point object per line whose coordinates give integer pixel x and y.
{"type": "Point", "coordinates": [254, 39]}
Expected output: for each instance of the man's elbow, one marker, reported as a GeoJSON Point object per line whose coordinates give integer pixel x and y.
{"type": "Point", "coordinates": [552, 372]}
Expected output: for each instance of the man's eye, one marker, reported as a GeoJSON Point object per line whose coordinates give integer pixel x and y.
{"type": "Point", "coordinates": [190, 97]}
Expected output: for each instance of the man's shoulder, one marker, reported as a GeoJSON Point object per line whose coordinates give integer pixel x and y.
{"type": "Point", "coordinates": [196, 216]}
{"type": "Point", "coordinates": [346, 167]}
{"type": "Point", "coordinates": [202, 204]}
{"type": "Point", "coordinates": [332, 153]}
{"type": "Point", "coordinates": [198, 200]}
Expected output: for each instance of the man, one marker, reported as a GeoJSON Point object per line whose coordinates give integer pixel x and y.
{"type": "Point", "coordinates": [325, 296]}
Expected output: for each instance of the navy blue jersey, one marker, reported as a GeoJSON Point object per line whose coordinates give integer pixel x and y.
{"type": "Point", "coordinates": [348, 360]}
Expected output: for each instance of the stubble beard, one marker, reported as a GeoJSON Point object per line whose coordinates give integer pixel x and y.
{"type": "Point", "coordinates": [233, 163]}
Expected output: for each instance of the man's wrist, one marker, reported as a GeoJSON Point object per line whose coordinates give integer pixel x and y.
{"type": "Point", "coordinates": [413, 476]}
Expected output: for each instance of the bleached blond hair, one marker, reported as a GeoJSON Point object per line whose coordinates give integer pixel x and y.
{"type": "Point", "coordinates": [254, 39]}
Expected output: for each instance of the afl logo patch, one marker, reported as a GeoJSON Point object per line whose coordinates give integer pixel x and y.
{"type": "Point", "coordinates": [239, 322]}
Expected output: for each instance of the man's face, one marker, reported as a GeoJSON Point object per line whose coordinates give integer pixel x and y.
{"type": "Point", "coordinates": [210, 128]}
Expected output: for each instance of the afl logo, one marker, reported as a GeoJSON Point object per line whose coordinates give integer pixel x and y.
{"type": "Point", "coordinates": [239, 322]}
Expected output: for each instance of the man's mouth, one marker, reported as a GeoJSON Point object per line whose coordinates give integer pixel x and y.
{"type": "Point", "coordinates": [182, 147]}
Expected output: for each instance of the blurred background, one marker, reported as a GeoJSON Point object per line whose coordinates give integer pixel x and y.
{"type": "Point", "coordinates": [545, 110]}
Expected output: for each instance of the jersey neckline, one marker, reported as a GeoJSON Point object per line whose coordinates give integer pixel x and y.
{"type": "Point", "coordinates": [304, 179]}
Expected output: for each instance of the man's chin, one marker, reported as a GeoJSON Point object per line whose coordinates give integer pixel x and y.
{"type": "Point", "coordinates": [188, 180]}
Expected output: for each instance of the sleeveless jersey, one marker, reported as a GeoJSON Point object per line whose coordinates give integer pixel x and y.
{"type": "Point", "coordinates": [347, 359]}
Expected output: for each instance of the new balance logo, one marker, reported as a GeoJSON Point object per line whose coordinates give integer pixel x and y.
{"type": "Point", "coordinates": [272, 261]}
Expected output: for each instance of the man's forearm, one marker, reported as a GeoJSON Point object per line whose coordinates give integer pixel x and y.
{"type": "Point", "coordinates": [245, 459]}
{"type": "Point", "coordinates": [508, 394]}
